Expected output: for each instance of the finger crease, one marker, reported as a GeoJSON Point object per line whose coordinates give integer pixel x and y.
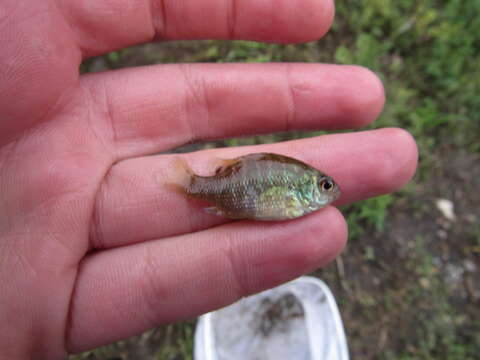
{"type": "Point", "coordinates": [153, 290]}
{"type": "Point", "coordinates": [241, 289]}
{"type": "Point", "coordinates": [7, 153]}
{"type": "Point", "coordinates": [195, 97]}
{"type": "Point", "coordinates": [231, 18]}
{"type": "Point", "coordinates": [206, 105]}
{"type": "Point", "coordinates": [109, 113]}
{"type": "Point", "coordinates": [71, 305]}
{"type": "Point", "coordinates": [291, 103]}
{"type": "Point", "coordinates": [158, 15]}
{"type": "Point", "coordinates": [96, 234]}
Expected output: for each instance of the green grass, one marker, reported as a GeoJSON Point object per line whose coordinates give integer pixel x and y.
{"type": "Point", "coordinates": [436, 334]}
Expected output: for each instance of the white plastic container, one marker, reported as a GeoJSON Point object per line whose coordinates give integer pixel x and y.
{"type": "Point", "coordinates": [298, 320]}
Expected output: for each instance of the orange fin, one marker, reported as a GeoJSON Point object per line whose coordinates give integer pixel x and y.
{"type": "Point", "coordinates": [220, 164]}
{"type": "Point", "coordinates": [181, 176]}
{"type": "Point", "coordinates": [180, 165]}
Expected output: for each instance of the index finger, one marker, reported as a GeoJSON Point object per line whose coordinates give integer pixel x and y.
{"type": "Point", "coordinates": [104, 25]}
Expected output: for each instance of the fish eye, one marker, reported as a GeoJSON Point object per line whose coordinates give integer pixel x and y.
{"type": "Point", "coordinates": [326, 185]}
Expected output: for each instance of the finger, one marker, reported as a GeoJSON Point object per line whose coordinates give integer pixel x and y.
{"type": "Point", "coordinates": [135, 204]}
{"type": "Point", "coordinates": [39, 65]}
{"type": "Point", "coordinates": [124, 291]}
{"type": "Point", "coordinates": [156, 108]}
{"type": "Point", "coordinates": [104, 25]}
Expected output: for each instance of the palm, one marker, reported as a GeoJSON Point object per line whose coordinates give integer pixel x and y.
{"type": "Point", "coordinates": [75, 176]}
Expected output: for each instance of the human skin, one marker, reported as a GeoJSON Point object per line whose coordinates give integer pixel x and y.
{"type": "Point", "coordinates": [94, 247]}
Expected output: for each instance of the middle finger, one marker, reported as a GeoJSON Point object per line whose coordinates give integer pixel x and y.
{"type": "Point", "coordinates": [152, 109]}
{"type": "Point", "coordinates": [136, 204]}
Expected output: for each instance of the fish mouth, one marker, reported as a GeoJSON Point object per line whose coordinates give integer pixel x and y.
{"type": "Point", "coordinates": [336, 194]}
{"type": "Point", "coordinates": [333, 195]}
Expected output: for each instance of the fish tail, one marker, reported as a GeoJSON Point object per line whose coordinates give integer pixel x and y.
{"type": "Point", "coordinates": [182, 178]}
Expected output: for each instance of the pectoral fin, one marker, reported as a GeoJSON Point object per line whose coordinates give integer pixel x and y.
{"type": "Point", "coordinates": [214, 210]}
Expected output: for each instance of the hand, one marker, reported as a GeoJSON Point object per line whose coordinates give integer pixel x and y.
{"type": "Point", "coordinates": [93, 245]}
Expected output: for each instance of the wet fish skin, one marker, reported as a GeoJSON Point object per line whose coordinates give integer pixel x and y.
{"type": "Point", "coordinates": [262, 186]}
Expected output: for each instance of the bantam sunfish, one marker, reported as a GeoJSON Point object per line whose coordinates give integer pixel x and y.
{"type": "Point", "coordinates": [260, 186]}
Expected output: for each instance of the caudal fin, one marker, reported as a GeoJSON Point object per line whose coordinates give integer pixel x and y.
{"type": "Point", "coordinates": [181, 176]}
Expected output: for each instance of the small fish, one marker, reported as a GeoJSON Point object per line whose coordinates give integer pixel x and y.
{"type": "Point", "coordinates": [261, 186]}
